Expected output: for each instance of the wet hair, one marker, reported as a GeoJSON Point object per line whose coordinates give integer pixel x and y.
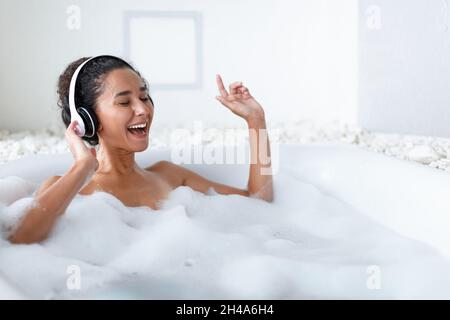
{"type": "Point", "coordinates": [89, 85]}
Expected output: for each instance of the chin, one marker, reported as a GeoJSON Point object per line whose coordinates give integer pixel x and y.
{"type": "Point", "coordinates": [139, 148]}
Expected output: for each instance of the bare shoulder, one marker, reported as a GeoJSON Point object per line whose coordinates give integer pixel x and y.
{"type": "Point", "coordinates": [47, 184]}
{"type": "Point", "coordinates": [164, 164]}
{"type": "Point", "coordinates": [169, 171]}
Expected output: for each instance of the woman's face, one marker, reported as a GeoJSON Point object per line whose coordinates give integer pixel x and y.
{"type": "Point", "coordinates": [124, 102]}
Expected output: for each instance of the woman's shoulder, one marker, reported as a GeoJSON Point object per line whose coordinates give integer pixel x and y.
{"type": "Point", "coordinates": [163, 166]}
{"type": "Point", "coordinates": [167, 170]}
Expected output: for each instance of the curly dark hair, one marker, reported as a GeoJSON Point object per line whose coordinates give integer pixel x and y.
{"type": "Point", "coordinates": [89, 85]}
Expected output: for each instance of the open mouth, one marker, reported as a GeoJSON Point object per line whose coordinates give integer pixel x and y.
{"type": "Point", "coordinates": [138, 130]}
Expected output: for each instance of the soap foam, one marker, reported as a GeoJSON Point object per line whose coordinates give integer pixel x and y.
{"type": "Point", "coordinates": [308, 243]}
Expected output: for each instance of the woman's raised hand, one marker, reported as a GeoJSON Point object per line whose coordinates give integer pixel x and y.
{"type": "Point", "coordinates": [239, 100]}
{"type": "Point", "coordinates": [81, 153]}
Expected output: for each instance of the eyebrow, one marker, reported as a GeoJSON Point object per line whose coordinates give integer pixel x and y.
{"type": "Point", "coordinates": [127, 92]}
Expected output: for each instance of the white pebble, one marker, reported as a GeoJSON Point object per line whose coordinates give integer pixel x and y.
{"type": "Point", "coordinates": [423, 154]}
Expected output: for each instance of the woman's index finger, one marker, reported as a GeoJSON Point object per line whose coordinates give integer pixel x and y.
{"type": "Point", "coordinates": [222, 89]}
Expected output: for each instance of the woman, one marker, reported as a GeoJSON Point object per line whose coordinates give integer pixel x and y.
{"type": "Point", "coordinates": [119, 96]}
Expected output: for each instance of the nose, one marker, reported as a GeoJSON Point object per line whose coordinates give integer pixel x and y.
{"type": "Point", "coordinates": [141, 108]}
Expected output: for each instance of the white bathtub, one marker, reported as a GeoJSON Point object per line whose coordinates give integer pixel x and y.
{"type": "Point", "coordinates": [339, 213]}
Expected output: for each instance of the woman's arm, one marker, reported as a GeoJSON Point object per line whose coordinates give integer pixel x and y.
{"type": "Point", "coordinates": [51, 200]}
{"type": "Point", "coordinates": [55, 194]}
{"type": "Point", "coordinates": [260, 183]}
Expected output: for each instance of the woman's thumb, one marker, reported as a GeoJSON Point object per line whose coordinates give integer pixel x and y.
{"type": "Point", "coordinates": [221, 99]}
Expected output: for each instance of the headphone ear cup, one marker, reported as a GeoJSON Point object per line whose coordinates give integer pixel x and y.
{"type": "Point", "coordinates": [90, 122]}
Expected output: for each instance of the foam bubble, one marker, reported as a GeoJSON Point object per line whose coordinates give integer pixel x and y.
{"type": "Point", "coordinates": [317, 240]}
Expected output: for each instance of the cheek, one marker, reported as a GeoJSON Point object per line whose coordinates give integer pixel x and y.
{"type": "Point", "coordinates": [112, 122]}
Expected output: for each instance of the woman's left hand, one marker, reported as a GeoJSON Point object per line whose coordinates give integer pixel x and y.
{"type": "Point", "coordinates": [239, 101]}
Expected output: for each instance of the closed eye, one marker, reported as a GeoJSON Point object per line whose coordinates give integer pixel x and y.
{"type": "Point", "coordinates": [128, 102]}
{"type": "Point", "coordinates": [146, 99]}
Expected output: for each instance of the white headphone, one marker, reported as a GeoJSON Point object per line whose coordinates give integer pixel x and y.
{"type": "Point", "coordinates": [87, 122]}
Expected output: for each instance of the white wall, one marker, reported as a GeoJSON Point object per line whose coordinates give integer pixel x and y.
{"type": "Point", "coordinates": [297, 57]}
{"type": "Point", "coordinates": [404, 68]}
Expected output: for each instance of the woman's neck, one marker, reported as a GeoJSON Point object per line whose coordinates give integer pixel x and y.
{"type": "Point", "coordinates": [116, 162]}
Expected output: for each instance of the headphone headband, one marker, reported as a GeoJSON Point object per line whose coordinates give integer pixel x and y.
{"type": "Point", "coordinates": [73, 109]}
